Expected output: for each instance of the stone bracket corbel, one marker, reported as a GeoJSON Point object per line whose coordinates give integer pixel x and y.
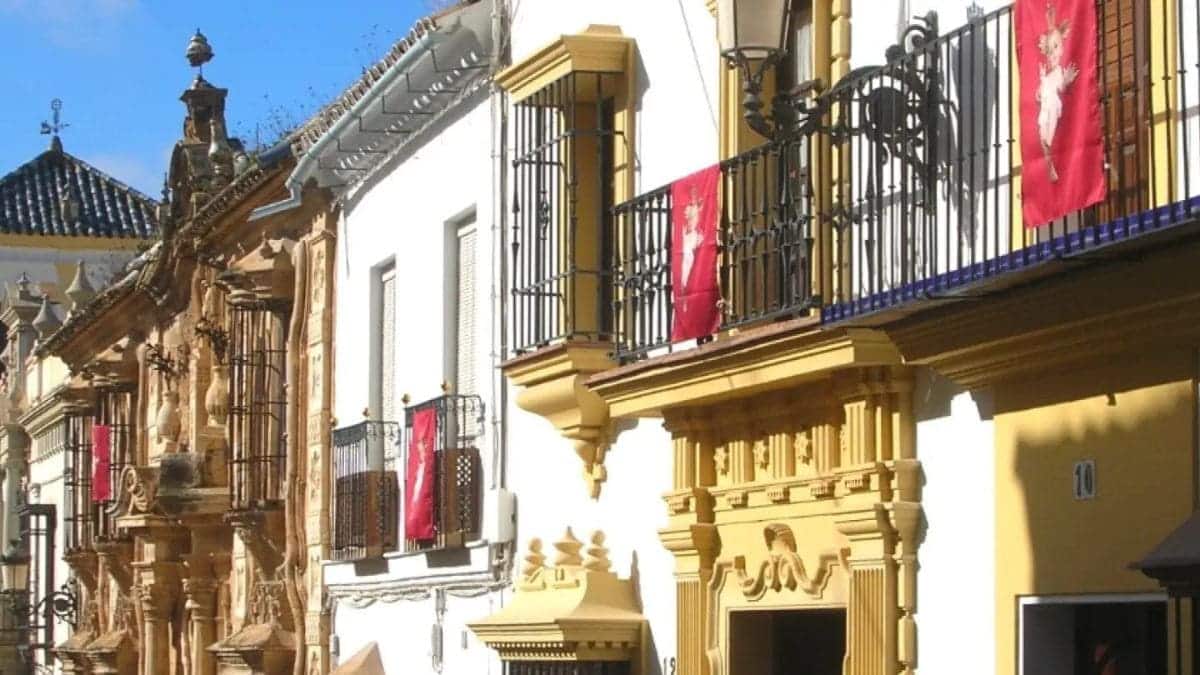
{"type": "Point", "coordinates": [553, 386]}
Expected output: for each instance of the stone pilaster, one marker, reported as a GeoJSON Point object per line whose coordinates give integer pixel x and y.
{"type": "Point", "coordinates": [871, 617]}
{"type": "Point", "coordinates": [318, 413]}
{"type": "Point", "coordinates": [157, 592]}
{"type": "Point", "coordinates": [200, 596]}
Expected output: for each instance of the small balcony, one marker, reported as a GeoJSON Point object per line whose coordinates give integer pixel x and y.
{"type": "Point", "coordinates": [366, 495]}
{"type": "Point", "coordinates": [458, 426]}
{"type": "Point", "coordinates": [899, 188]}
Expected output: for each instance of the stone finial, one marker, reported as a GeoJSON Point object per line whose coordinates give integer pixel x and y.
{"type": "Point", "coordinates": [535, 560]}
{"type": "Point", "coordinates": [80, 291]}
{"type": "Point", "coordinates": [597, 556]}
{"type": "Point", "coordinates": [46, 321]}
{"type": "Point", "coordinates": [568, 550]}
{"type": "Point", "coordinates": [23, 285]}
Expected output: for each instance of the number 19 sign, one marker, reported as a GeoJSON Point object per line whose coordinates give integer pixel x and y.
{"type": "Point", "coordinates": [1084, 478]}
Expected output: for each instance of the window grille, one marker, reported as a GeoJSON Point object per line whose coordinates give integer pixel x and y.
{"type": "Point", "coordinates": [567, 668]}
{"type": "Point", "coordinates": [114, 409]}
{"type": "Point", "coordinates": [257, 431]}
{"type": "Point", "coordinates": [458, 470]}
{"type": "Point", "coordinates": [80, 513]}
{"type": "Point", "coordinates": [563, 192]}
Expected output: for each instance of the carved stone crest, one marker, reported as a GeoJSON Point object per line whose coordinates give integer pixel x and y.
{"type": "Point", "coordinates": [783, 568]}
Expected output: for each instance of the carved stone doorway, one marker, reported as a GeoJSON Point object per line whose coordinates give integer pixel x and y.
{"type": "Point", "coordinates": [787, 642]}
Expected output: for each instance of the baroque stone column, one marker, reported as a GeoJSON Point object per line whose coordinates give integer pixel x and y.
{"type": "Point", "coordinates": [157, 591]}
{"type": "Point", "coordinates": [200, 594]}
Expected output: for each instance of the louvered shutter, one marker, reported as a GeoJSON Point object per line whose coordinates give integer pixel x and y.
{"type": "Point", "coordinates": [465, 383]}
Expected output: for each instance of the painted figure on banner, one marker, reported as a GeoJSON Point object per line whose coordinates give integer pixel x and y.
{"type": "Point", "coordinates": [1055, 79]}
{"type": "Point", "coordinates": [1062, 136]}
{"type": "Point", "coordinates": [695, 295]}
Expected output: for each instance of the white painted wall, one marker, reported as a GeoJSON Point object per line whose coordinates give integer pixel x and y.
{"type": "Point", "coordinates": [956, 580]}
{"type": "Point", "coordinates": [403, 214]}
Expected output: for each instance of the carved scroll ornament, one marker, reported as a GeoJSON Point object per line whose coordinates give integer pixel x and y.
{"type": "Point", "coordinates": [783, 568]}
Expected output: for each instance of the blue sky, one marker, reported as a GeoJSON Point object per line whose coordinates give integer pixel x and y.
{"type": "Point", "coordinates": [118, 67]}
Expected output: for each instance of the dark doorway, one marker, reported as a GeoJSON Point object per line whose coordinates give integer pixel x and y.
{"type": "Point", "coordinates": [791, 642]}
{"type": "Point", "coordinates": [1101, 638]}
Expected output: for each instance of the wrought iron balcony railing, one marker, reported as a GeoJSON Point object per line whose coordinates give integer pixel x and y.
{"type": "Point", "coordinates": [458, 469]}
{"type": "Point", "coordinates": [366, 494]}
{"type": "Point", "coordinates": [902, 183]}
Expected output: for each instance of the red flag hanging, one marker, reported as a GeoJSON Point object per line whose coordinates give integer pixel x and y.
{"type": "Point", "coordinates": [695, 294]}
{"type": "Point", "coordinates": [1062, 137]}
{"type": "Point", "coordinates": [101, 461]}
{"type": "Point", "coordinates": [418, 479]}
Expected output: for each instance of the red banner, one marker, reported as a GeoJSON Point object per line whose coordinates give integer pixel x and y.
{"type": "Point", "coordinates": [1062, 136]}
{"type": "Point", "coordinates": [695, 294]}
{"type": "Point", "coordinates": [101, 461]}
{"type": "Point", "coordinates": [418, 479]}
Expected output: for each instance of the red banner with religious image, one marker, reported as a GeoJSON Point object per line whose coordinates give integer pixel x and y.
{"type": "Point", "coordinates": [1062, 135]}
{"type": "Point", "coordinates": [695, 294]}
{"type": "Point", "coordinates": [101, 461]}
{"type": "Point", "coordinates": [419, 477]}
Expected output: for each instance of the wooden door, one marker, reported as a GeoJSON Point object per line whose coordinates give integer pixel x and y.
{"type": "Point", "coordinates": [1125, 94]}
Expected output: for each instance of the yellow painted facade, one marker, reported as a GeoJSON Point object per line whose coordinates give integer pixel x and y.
{"type": "Point", "coordinates": [1135, 417]}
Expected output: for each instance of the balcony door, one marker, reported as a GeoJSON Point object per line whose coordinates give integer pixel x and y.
{"type": "Point", "coordinates": [1124, 88]}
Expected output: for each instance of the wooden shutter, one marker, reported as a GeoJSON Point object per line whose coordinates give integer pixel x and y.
{"type": "Point", "coordinates": [462, 471]}
{"type": "Point", "coordinates": [465, 378]}
{"type": "Point", "coordinates": [1124, 87]}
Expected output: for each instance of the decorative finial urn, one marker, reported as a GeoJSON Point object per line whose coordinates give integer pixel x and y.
{"type": "Point", "coordinates": [199, 52]}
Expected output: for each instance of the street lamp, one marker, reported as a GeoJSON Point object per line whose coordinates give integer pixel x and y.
{"type": "Point", "coordinates": [753, 36]}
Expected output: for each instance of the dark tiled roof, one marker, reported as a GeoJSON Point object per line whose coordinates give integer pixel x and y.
{"type": "Point", "coordinates": [323, 121]}
{"type": "Point", "coordinates": [31, 201]}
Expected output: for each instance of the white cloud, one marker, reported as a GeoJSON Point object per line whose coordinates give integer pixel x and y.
{"type": "Point", "coordinates": [74, 24]}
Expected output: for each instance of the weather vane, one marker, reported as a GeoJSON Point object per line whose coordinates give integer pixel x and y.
{"type": "Point", "coordinates": [56, 115]}
{"type": "Point", "coordinates": [199, 52]}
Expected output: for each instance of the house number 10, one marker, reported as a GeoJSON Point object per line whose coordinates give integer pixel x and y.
{"type": "Point", "coordinates": [1084, 478]}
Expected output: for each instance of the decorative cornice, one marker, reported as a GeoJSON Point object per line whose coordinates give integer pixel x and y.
{"type": "Point", "coordinates": [1050, 326]}
{"type": "Point", "coordinates": [774, 357]}
{"type": "Point", "coordinates": [599, 49]}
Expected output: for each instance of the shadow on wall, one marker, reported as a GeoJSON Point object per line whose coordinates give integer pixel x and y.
{"type": "Point", "coordinates": [651, 664]}
{"type": "Point", "coordinates": [1061, 533]}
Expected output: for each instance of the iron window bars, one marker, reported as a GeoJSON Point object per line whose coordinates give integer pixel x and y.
{"type": "Point", "coordinates": [366, 493]}
{"type": "Point", "coordinates": [33, 611]}
{"type": "Point", "coordinates": [567, 668]}
{"type": "Point", "coordinates": [80, 516]}
{"type": "Point", "coordinates": [458, 469]}
{"type": "Point", "coordinates": [114, 409]}
{"type": "Point", "coordinates": [257, 410]}
{"type": "Point", "coordinates": [562, 194]}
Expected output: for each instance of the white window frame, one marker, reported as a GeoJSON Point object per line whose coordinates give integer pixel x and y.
{"type": "Point", "coordinates": [1082, 599]}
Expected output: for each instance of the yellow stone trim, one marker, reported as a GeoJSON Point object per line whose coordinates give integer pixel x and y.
{"type": "Point", "coordinates": [62, 242]}
{"type": "Point", "coordinates": [743, 370]}
{"type": "Point", "coordinates": [552, 382]}
{"type": "Point", "coordinates": [574, 610]}
{"type": "Point", "coordinates": [598, 49]}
